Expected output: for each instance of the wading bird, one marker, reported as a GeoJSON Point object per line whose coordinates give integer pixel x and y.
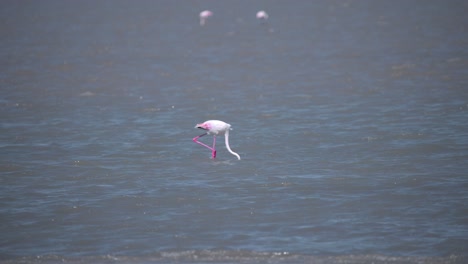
{"type": "Point", "coordinates": [215, 127]}
{"type": "Point", "coordinates": [262, 15]}
{"type": "Point", "coordinates": [204, 15]}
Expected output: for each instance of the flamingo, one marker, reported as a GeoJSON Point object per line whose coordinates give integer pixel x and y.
{"type": "Point", "coordinates": [204, 15]}
{"type": "Point", "coordinates": [262, 15]}
{"type": "Point", "coordinates": [215, 127]}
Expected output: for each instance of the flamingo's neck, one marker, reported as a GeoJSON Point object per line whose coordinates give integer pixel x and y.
{"type": "Point", "coordinates": [226, 137]}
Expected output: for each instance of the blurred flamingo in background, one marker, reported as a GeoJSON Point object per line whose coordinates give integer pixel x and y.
{"type": "Point", "coordinates": [204, 15]}
{"type": "Point", "coordinates": [262, 15]}
{"type": "Point", "coordinates": [215, 127]}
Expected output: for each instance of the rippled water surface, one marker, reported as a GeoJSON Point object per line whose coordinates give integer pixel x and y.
{"type": "Point", "coordinates": [350, 118]}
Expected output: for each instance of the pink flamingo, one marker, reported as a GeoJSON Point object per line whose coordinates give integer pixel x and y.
{"type": "Point", "coordinates": [215, 127]}
{"type": "Point", "coordinates": [262, 15]}
{"type": "Point", "coordinates": [204, 15]}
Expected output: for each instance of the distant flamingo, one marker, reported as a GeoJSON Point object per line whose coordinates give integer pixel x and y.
{"type": "Point", "coordinates": [215, 127]}
{"type": "Point", "coordinates": [204, 15]}
{"type": "Point", "coordinates": [262, 15]}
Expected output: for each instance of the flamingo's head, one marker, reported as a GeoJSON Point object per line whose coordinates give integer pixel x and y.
{"type": "Point", "coordinates": [204, 126]}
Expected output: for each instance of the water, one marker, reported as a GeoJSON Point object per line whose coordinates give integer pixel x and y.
{"type": "Point", "coordinates": [350, 118]}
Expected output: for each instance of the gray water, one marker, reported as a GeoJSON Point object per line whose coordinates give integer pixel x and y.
{"type": "Point", "coordinates": [350, 118]}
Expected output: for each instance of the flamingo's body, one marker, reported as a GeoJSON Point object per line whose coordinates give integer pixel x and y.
{"type": "Point", "coordinates": [204, 15]}
{"type": "Point", "coordinates": [215, 127]}
{"type": "Point", "coordinates": [262, 15]}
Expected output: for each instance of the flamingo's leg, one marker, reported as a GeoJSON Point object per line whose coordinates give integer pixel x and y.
{"type": "Point", "coordinates": [195, 139]}
{"type": "Point", "coordinates": [213, 151]}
